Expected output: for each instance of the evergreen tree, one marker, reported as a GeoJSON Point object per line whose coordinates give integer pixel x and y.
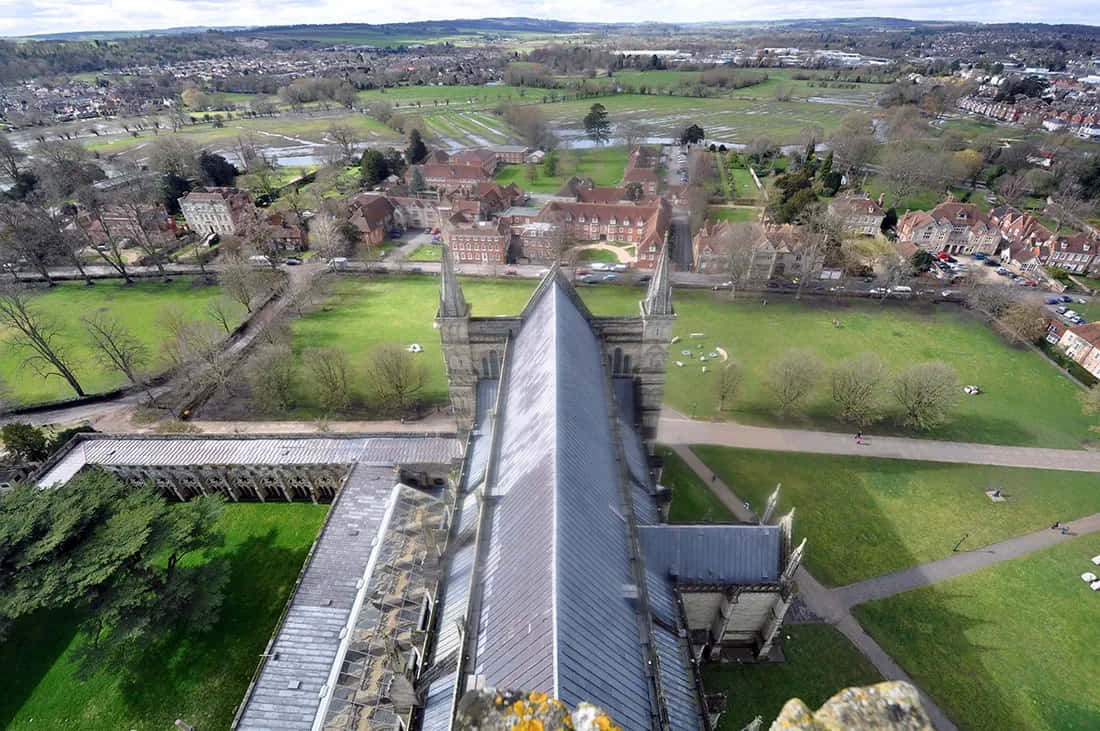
{"type": "Point", "coordinates": [373, 168]}
{"type": "Point", "coordinates": [596, 124]}
{"type": "Point", "coordinates": [216, 170]}
{"type": "Point", "coordinates": [417, 150]}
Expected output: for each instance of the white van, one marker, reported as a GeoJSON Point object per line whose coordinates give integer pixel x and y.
{"type": "Point", "coordinates": [259, 262]}
{"type": "Point", "coordinates": [901, 291]}
{"type": "Point", "coordinates": [338, 262]}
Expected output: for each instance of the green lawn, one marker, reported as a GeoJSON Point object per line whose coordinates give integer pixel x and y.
{"type": "Point", "coordinates": [738, 215]}
{"type": "Point", "coordinates": [820, 662]}
{"type": "Point", "coordinates": [864, 517]}
{"type": "Point", "coordinates": [604, 165]}
{"type": "Point", "coordinates": [1013, 646]}
{"type": "Point", "coordinates": [201, 677]}
{"type": "Point", "coordinates": [922, 200]}
{"type": "Point", "coordinates": [426, 253]}
{"type": "Point", "coordinates": [138, 307]}
{"type": "Point", "coordinates": [597, 255]}
{"type": "Point", "coordinates": [1025, 401]}
{"type": "Point", "coordinates": [664, 80]}
{"type": "Point", "coordinates": [692, 500]}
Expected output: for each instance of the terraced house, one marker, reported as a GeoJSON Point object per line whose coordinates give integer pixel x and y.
{"type": "Point", "coordinates": [954, 227]}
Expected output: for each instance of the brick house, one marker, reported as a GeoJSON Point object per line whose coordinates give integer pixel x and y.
{"type": "Point", "coordinates": [1075, 253]}
{"type": "Point", "coordinates": [860, 213]}
{"type": "Point", "coordinates": [451, 177]}
{"type": "Point", "coordinates": [958, 228]}
{"type": "Point", "coordinates": [757, 252]}
{"type": "Point", "coordinates": [485, 242]}
{"type": "Point", "coordinates": [485, 159]}
{"type": "Point", "coordinates": [372, 215]}
{"type": "Point", "coordinates": [123, 222]}
{"type": "Point", "coordinates": [216, 210]}
{"type": "Point", "coordinates": [285, 229]}
{"type": "Point", "coordinates": [1082, 343]}
{"type": "Point", "coordinates": [510, 154]}
{"type": "Point", "coordinates": [641, 168]}
{"type": "Point", "coordinates": [645, 224]}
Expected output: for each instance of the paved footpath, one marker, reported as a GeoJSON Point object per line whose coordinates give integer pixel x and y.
{"type": "Point", "coordinates": [675, 429]}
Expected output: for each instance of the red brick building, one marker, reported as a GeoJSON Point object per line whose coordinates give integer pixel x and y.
{"type": "Point", "coordinates": [373, 216]}
{"type": "Point", "coordinates": [484, 242]}
{"type": "Point", "coordinates": [644, 225]}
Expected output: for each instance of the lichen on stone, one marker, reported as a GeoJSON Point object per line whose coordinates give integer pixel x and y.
{"type": "Point", "coordinates": [890, 706]}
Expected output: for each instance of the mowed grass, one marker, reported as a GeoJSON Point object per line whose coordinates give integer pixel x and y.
{"type": "Point", "coordinates": [200, 678]}
{"type": "Point", "coordinates": [692, 500]}
{"type": "Point", "coordinates": [1013, 646]}
{"type": "Point", "coordinates": [865, 517]}
{"type": "Point", "coordinates": [427, 253]}
{"type": "Point", "coordinates": [604, 165]}
{"type": "Point", "coordinates": [137, 307]}
{"type": "Point", "coordinates": [1024, 400]}
{"type": "Point", "coordinates": [736, 215]}
{"type": "Point", "coordinates": [820, 661]}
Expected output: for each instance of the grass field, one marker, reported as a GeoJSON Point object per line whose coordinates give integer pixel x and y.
{"type": "Point", "coordinates": [864, 517]}
{"type": "Point", "coordinates": [692, 501]}
{"type": "Point", "coordinates": [138, 307]}
{"type": "Point", "coordinates": [664, 80]}
{"type": "Point", "coordinates": [1025, 402]}
{"type": "Point", "coordinates": [737, 215]}
{"type": "Point", "coordinates": [820, 662]}
{"type": "Point", "coordinates": [602, 255]}
{"type": "Point", "coordinates": [200, 677]}
{"type": "Point", "coordinates": [922, 200]}
{"type": "Point", "coordinates": [426, 253]}
{"type": "Point", "coordinates": [1012, 646]}
{"type": "Point", "coordinates": [604, 165]}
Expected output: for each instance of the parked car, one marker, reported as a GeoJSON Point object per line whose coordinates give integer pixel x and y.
{"type": "Point", "coordinates": [416, 270]}
{"type": "Point", "coordinates": [1061, 310]}
{"type": "Point", "coordinates": [1078, 320]}
{"type": "Point", "coordinates": [510, 272]}
{"type": "Point", "coordinates": [1082, 301]}
{"type": "Point", "coordinates": [582, 271]}
{"type": "Point", "coordinates": [611, 277]}
{"type": "Point", "coordinates": [1066, 298]}
{"type": "Point", "coordinates": [292, 261]}
{"type": "Point", "coordinates": [601, 267]}
{"type": "Point", "coordinates": [644, 279]}
{"type": "Point", "coordinates": [877, 290]}
{"type": "Point", "coordinates": [619, 267]}
{"type": "Point", "coordinates": [1053, 300]}
{"type": "Point", "coordinates": [395, 233]}
{"type": "Point", "coordinates": [991, 263]}
{"type": "Point", "coordinates": [949, 293]}
{"type": "Point", "coordinates": [588, 279]}
{"type": "Point", "coordinates": [979, 256]}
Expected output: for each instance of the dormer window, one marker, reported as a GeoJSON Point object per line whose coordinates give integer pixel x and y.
{"type": "Point", "coordinates": [612, 222]}
{"type": "Point", "coordinates": [581, 219]}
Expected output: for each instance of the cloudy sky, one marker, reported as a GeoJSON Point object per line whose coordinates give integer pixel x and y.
{"type": "Point", "coordinates": [19, 17]}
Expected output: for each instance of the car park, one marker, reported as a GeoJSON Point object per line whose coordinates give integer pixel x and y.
{"type": "Point", "coordinates": [1069, 314]}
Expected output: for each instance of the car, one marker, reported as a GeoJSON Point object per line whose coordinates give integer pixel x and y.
{"type": "Point", "coordinates": [292, 261]}
{"type": "Point", "coordinates": [582, 271]}
{"type": "Point", "coordinates": [836, 288]}
{"type": "Point", "coordinates": [1053, 300]}
{"type": "Point", "coordinates": [620, 267]}
{"type": "Point", "coordinates": [588, 279]}
{"type": "Point", "coordinates": [951, 259]}
{"type": "Point", "coordinates": [415, 348]}
{"type": "Point", "coordinates": [395, 233]}
{"type": "Point", "coordinates": [610, 277]}
{"type": "Point", "coordinates": [1066, 298]}
{"type": "Point", "coordinates": [644, 279]}
{"type": "Point", "coordinates": [772, 285]}
{"type": "Point", "coordinates": [1078, 320]}
{"type": "Point", "coordinates": [1002, 272]}
{"type": "Point", "coordinates": [943, 265]}
{"type": "Point", "coordinates": [1082, 301]}
{"type": "Point", "coordinates": [417, 270]}
{"type": "Point", "coordinates": [601, 267]}
{"type": "Point", "coordinates": [510, 272]}
{"type": "Point", "coordinates": [1070, 314]}
{"type": "Point", "coordinates": [949, 293]}
{"type": "Point", "coordinates": [979, 256]}
{"type": "Point", "coordinates": [877, 290]}
{"type": "Point", "coordinates": [1061, 310]}
{"type": "Point", "coordinates": [991, 263]}
{"type": "Point", "coordinates": [943, 256]}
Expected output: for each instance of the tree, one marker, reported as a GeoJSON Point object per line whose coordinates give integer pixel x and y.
{"type": "Point", "coordinates": [631, 132]}
{"type": "Point", "coordinates": [994, 299]}
{"type": "Point", "coordinates": [326, 237]}
{"type": "Point", "coordinates": [970, 165]}
{"type": "Point", "coordinates": [1023, 322]}
{"type": "Point", "coordinates": [416, 150]}
{"type": "Point", "coordinates": [633, 192]}
{"type": "Point", "coordinates": [94, 206]}
{"type": "Point", "coordinates": [216, 170]}
{"type": "Point", "coordinates": [926, 393]}
{"type": "Point", "coordinates": [856, 385]}
{"type": "Point", "coordinates": [143, 222]}
{"type": "Point", "coordinates": [792, 377]}
{"type": "Point", "coordinates": [240, 283]}
{"type": "Point", "coordinates": [727, 381]}
{"type": "Point", "coordinates": [37, 336]}
{"type": "Point", "coordinates": [220, 310]}
{"type": "Point", "coordinates": [114, 553]}
{"type": "Point", "coordinates": [115, 347]}
{"type": "Point", "coordinates": [22, 239]}
{"type": "Point", "coordinates": [907, 170]}
{"type": "Point", "coordinates": [25, 443]}
{"type": "Point", "coordinates": [329, 369]}
{"type": "Point", "coordinates": [416, 181]}
{"type": "Point", "coordinates": [345, 139]}
{"type": "Point", "coordinates": [921, 260]}
{"type": "Point", "coordinates": [373, 168]}
{"type": "Point", "coordinates": [550, 164]}
{"type": "Point", "coordinates": [395, 374]}
{"type": "Point", "coordinates": [1090, 400]}
{"type": "Point", "coordinates": [174, 155]}
{"type": "Point", "coordinates": [692, 134]}
{"type": "Point", "coordinates": [597, 126]}
{"type": "Point", "coordinates": [270, 376]}
{"type": "Point", "coordinates": [256, 237]}
{"type": "Point", "coordinates": [10, 159]}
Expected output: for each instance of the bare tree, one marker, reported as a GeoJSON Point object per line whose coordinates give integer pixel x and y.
{"type": "Point", "coordinates": [144, 222]}
{"type": "Point", "coordinates": [395, 374]}
{"type": "Point", "coordinates": [329, 369]}
{"type": "Point", "coordinates": [727, 381]}
{"type": "Point", "coordinates": [110, 249]}
{"type": "Point", "coordinates": [631, 132]}
{"type": "Point", "coordinates": [908, 169]}
{"type": "Point", "coordinates": [11, 158]}
{"type": "Point", "coordinates": [239, 282]}
{"type": "Point", "coordinates": [1065, 204]}
{"type": "Point", "coordinates": [23, 239]}
{"type": "Point", "coordinates": [1023, 322]}
{"type": "Point", "coordinates": [220, 310]}
{"type": "Point", "coordinates": [991, 299]}
{"type": "Point", "coordinates": [37, 336]}
{"type": "Point", "coordinates": [115, 346]}
{"type": "Point", "coordinates": [792, 377]}
{"type": "Point", "coordinates": [345, 139]}
{"type": "Point", "coordinates": [256, 237]}
{"type": "Point", "coordinates": [326, 238]}
{"type": "Point", "coordinates": [856, 387]}
{"type": "Point", "coordinates": [927, 392]}
{"type": "Point", "coordinates": [270, 376]}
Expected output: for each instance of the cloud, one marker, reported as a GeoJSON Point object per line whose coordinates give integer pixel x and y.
{"type": "Point", "coordinates": [24, 17]}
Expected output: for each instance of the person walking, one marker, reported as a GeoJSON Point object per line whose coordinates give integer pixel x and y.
{"type": "Point", "coordinates": [859, 437]}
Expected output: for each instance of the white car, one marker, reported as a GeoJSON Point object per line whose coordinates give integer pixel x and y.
{"type": "Point", "coordinates": [619, 267]}
{"type": "Point", "coordinates": [948, 293]}
{"type": "Point", "coordinates": [415, 348]}
{"type": "Point", "coordinates": [601, 266]}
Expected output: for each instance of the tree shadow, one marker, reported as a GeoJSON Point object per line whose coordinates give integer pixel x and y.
{"type": "Point", "coordinates": [202, 676]}
{"type": "Point", "coordinates": [33, 646]}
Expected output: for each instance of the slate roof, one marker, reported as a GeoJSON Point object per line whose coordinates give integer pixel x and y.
{"type": "Point", "coordinates": [713, 554]}
{"type": "Point", "coordinates": [553, 615]}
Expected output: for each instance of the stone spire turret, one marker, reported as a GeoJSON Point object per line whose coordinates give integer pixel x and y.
{"type": "Point", "coordinates": [658, 299]}
{"type": "Point", "coordinates": [451, 301]}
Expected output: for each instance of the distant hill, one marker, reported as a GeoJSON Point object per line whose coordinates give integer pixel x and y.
{"type": "Point", "coordinates": [113, 35]}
